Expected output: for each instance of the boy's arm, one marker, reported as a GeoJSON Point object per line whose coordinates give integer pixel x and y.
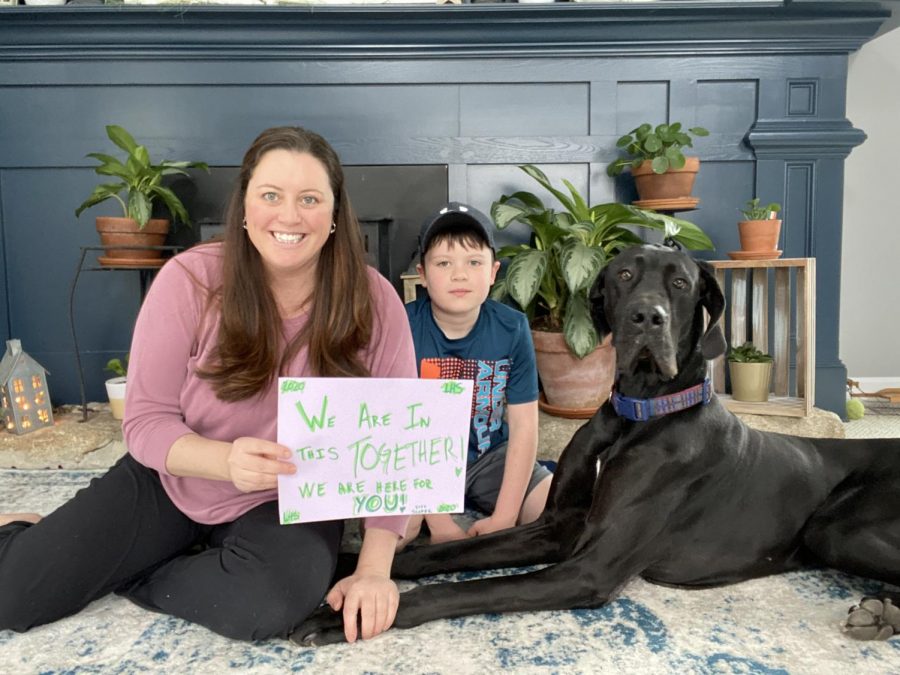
{"type": "Point", "coordinates": [521, 453]}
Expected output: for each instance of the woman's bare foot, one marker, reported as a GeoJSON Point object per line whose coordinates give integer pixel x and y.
{"type": "Point", "coordinates": [7, 518]}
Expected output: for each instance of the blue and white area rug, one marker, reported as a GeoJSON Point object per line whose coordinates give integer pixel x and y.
{"type": "Point", "coordinates": [784, 624]}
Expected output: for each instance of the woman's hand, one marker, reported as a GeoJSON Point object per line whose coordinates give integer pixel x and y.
{"type": "Point", "coordinates": [254, 464]}
{"type": "Point", "coordinates": [372, 597]}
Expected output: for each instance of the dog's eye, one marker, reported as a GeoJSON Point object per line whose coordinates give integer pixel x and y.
{"type": "Point", "coordinates": [625, 275]}
{"type": "Point", "coordinates": [679, 283]}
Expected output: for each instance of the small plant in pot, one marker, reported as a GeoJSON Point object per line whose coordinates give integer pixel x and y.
{"type": "Point", "coordinates": [115, 386]}
{"type": "Point", "coordinates": [751, 373]}
{"type": "Point", "coordinates": [657, 162]}
{"type": "Point", "coordinates": [759, 231]}
{"type": "Point", "coordinates": [141, 182]}
{"type": "Point", "coordinates": [550, 277]}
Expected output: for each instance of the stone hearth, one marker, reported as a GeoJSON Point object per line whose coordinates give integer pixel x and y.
{"type": "Point", "coordinates": [97, 443]}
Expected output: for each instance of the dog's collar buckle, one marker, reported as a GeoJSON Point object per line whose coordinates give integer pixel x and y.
{"type": "Point", "coordinates": [642, 409]}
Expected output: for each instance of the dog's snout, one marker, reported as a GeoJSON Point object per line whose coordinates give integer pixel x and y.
{"type": "Point", "coordinates": [650, 316]}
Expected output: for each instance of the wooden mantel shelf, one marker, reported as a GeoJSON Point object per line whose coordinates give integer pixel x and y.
{"type": "Point", "coordinates": [473, 30]}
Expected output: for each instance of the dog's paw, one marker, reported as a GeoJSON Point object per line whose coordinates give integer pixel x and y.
{"type": "Point", "coordinates": [872, 619]}
{"type": "Point", "coordinates": [323, 627]}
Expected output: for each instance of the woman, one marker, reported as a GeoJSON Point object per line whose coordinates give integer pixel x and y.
{"type": "Point", "coordinates": [187, 523]}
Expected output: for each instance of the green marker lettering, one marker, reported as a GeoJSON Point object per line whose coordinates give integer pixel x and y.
{"type": "Point", "coordinates": [313, 422]}
{"type": "Point", "coordinates": [292, 385]}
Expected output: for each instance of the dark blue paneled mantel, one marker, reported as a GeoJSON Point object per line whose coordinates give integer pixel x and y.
{"type": "Point", "coordinates": [475, 89]}
{"type": "Point", "coordinates": [664, 27]}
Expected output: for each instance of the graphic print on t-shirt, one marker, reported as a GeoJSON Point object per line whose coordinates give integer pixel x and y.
{"type": "Point", "coordinates": [488, 393]}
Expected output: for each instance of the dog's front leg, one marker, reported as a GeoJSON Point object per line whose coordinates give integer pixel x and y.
{"type": "Point", "coordinates": [573, 583]}
{"type": "Point", "coordinates": [537, 542]}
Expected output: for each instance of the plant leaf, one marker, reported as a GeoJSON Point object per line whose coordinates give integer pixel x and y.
{"type": "Point", "coordinates": [652, 143]}
{"type": "Point", "coordinates": [121, 138]}
{"type": "Point", "coordinates": [504, 212]}
{"type": "Point", "coordinates": [580, 264]}
{"type": "Point", "coordinates": [524, 275]}
{"type": "Point", "coordinates": [173, 203]}
{"type": "Point", "coordinates": [138, 207]}
{"type": "Point", "coordinates": [660, 164]}
{"type": "Point", "coordinates": [541, 178]}
{"type": "Point", "coordinates": [578, 327]}
{"type": "Point", "coordinates": [100, 194]}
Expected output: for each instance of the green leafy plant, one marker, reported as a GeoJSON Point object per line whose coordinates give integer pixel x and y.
{"type": "Point", "coordinates": [753, 211]}
{"type": "Point", "coordinates": [549, 277]}
{"type": "Point", "coordinates": [117, 366]}
{"type": "Point", "coordinates": [661, 145]}
{"type": "Point", "coordinates": [139, 177]}
{"type": "Point", "coordinates": [748, 353]}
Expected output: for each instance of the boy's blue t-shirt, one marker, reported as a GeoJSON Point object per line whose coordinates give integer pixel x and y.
{"type": "Point", "coordinates": [497, 354]}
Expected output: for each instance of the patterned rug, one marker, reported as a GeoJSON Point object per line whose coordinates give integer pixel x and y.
{"type": "Point", "coordinates": [783, 624]}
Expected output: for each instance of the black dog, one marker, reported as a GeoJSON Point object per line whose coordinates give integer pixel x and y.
{"type": "Point", "coordinates": [692, 498]}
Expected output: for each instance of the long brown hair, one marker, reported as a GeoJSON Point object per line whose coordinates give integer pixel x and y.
{"type": "Point", "coordinates": [246, 357]}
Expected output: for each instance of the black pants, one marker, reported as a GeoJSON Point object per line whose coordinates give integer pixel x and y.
{"type": "Point", "coordinates": [249, 579]}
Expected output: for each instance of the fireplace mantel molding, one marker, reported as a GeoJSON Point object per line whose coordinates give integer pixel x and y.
{"type": "Point", "coordinates": [667, 27]}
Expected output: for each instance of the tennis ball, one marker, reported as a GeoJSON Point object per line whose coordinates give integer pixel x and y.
{"type": "Point", "coordinates": [855, 409]}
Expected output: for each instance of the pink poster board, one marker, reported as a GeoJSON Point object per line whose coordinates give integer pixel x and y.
{"type": "Point", "coordinates": [372, 446]}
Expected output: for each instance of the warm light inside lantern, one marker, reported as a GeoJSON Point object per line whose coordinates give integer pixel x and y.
{"type": "Point", "coordinates": [18, 385]}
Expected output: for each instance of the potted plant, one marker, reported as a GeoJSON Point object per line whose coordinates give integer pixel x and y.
{"type": "Point", "coordinates": [115, 386]}
{"type": "Point", "coordinates": [658, 165]}
{"type": "Point", "coordinates": [759, 231]}
{"type": "Point", "coordinates": [550, 277]}
{"type": "Point", "coordinates": [751, 373]}
{"type": "Point", "coordinates": [141, 181]}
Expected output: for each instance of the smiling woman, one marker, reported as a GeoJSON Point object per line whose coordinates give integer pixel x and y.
{"type": "Point", "coordinates": [287, 293]}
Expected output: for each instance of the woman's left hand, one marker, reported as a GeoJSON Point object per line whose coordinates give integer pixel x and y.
{"type": "Point", "coordinates": [374, 598]}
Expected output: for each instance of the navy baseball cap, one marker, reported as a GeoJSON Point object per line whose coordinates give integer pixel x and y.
{"type": "Point", "coordinates": [455, 215]}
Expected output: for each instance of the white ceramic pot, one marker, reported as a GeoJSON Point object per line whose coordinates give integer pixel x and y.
{"type": "Point", "coordinates": [115, 389]}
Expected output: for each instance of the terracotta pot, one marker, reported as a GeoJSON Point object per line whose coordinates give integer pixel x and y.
{"type": "Point", "coordinates": [759, 235]}
{"type": "Point", "coordinates": [673, 184]}
{"type": "Point", "coordinates": [570, 382]}
{"type": "Point", "coordinates": [750, 381]}
{"type": "Point", "coordinates": [125, 232]}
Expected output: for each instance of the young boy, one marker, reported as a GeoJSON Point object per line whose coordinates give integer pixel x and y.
{"type": "Point", "coordinates": [459, 333]}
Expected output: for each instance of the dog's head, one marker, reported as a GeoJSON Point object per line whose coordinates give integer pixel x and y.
{"type": "Point", "coordinates": [651, 298]}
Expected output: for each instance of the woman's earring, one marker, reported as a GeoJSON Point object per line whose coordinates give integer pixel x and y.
{"type": "Point", "coordinates": [245, 223]}
{"type": "Point", "coordinates": [333, 228]}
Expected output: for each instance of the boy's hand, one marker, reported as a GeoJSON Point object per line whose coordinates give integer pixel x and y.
{"type": "Point", "coordinates": [371, 597]}
{"type": "Point", "coordinates": [490, 524]}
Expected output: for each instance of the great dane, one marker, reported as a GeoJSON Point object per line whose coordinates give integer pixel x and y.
{"type": "Point", "coordinates": [688, 497]}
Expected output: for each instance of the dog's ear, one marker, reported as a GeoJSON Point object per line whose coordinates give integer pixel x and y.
{"type": "Point", "coordinates": [598, 299]}
{"type": "Point", "coordinates": [712, 344]}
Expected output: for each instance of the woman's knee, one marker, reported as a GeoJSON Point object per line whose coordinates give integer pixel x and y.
{"type": "Point", "coordinates": [280, 593]}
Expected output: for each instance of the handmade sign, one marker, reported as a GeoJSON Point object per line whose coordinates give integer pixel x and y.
{"type": "Point", "coordinates": [372, 446]}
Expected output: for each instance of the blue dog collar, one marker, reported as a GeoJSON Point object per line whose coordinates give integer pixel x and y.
{"type": "Point", "coordinates": [642, 409]}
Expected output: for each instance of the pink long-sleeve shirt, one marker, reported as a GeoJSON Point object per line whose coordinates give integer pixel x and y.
{"type": "Point", "coordinates": [166, 399]}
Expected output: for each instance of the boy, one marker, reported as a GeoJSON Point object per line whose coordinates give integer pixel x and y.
{"type": "Point", "coordinates": [459, 333]}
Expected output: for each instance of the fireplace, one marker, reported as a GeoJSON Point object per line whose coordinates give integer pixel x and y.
{"type": "Point", "coordinates": [390, 201]}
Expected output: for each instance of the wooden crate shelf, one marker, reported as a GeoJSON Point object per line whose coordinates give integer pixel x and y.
{"type": "Point", "coordinates": [747, 285]}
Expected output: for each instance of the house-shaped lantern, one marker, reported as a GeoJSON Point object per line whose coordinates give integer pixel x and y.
{"type": "Point", "coordinates": [26, 400]}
